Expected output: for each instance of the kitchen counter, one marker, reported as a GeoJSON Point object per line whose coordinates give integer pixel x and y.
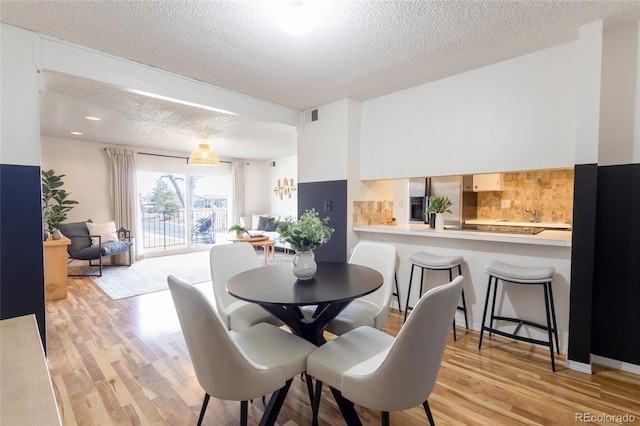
{"type": "Point", "coordinates": [479, 249]}
{"type": "Point", "coordinates": [546, 237]}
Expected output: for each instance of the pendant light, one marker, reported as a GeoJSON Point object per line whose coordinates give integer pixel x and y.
{"type": "Point", "coordinates": [203, 156]}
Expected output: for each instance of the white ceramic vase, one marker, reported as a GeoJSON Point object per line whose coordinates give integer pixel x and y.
{"type": "Point", "coordinates": [439, 222]}
{"type": "Point", "coordinates": [304, 265]}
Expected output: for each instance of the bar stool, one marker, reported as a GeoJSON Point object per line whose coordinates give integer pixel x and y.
{"type": "Point", "coordinates": [424, 260]}
{"type": "Point", "coordinates": [527, 276]}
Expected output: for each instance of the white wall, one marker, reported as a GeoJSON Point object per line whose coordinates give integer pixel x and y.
{"type": "Point", "coordinates": [518, 114]}
{"type": "Point", "coordinates": [86, 169]}
{"type": "Point", "coordinates": [20, 105]}
{"type": "Point", "coordinates": [618, 113]}
{"type": "Point", "coordinates": [322, 145]}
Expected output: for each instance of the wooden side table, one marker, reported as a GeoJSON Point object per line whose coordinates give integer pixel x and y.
{"type": "Point", "coordinates": [55, 268]}
{"type": "Point", "coordinates": [260, 241]}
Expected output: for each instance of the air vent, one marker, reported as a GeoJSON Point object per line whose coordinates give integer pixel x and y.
{"type": "Point", "coordinates": [311, 115]}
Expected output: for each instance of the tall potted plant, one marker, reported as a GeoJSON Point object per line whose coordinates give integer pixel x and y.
{"type": "Point", "coordinates": [439, 205]}
{"type": "Point", "coordinates": [55, 200]}
{"type": "Point", "coordinates": [304, 235]}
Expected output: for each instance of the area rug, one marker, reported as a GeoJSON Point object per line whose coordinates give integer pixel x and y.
{"type": "Point", "coordinates": [150, 275]}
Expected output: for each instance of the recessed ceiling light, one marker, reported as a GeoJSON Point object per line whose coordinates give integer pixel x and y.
{"type": "Point", "coordinates": [77, 133]}
{"type": "Point", "coordinates": [298, 17]}
{"type": "Point", "coordinates": [92, 118]}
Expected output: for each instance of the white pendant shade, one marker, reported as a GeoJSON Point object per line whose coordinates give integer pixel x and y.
{"type": "Point", "coordinates": [204, 156]}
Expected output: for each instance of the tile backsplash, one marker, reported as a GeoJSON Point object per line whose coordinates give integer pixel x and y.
{"type": "Point", "coordinates": [371, 212]}
{"type": "Point", "coordinates": [548, 191]}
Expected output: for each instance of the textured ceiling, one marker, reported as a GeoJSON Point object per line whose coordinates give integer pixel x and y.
{"type": "Point", "coordinates": [358, 50]}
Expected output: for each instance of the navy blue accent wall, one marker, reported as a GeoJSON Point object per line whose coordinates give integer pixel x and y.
{"type": "Point", "coordinates": [329, 198]}
{"type": "Point", "coordinates": [582, 256]}
{"type": "Point", "coordinates": [21, 250]}
{"type": "Point", "coordinates": [616, 289]}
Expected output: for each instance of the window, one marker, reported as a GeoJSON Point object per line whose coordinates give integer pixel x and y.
{"type": "Point", "coordinates": [181, 207]}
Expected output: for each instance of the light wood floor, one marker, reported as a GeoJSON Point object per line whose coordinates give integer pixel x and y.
{"type": "Point", "coordinates": [125, 362]}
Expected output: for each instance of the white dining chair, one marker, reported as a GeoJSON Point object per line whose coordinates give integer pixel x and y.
{"type": "Point", "coordinates": [372, 309]}
{"type": "Point", "coordinates": [375, 370]}
{"type": "Point", "coordinates": [241, 366]}
{"type": "Point", "coordinates": [227, 260]}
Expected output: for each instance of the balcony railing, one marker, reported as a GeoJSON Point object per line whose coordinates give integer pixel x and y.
{"type": "Point", "coordinates": [168, 229]}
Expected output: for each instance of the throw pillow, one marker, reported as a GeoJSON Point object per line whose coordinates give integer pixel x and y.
{"type": "Point", "coordinates": [245, 222]}
{"type": "Point", "coordinates": [271, 226]}
{"type": "Point", "coordinates": [262, 222]}
{"type": "Point", "coordinates": [106, 230]}
{"type": "Point", "coordinates": [254, 221]}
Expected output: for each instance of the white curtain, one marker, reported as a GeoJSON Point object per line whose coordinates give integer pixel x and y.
{"type": "Point", "coordinates": [123, 187]}
{"type": "Point", "coordinates": [237, 185]}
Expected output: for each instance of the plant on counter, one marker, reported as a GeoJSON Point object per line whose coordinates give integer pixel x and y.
{"type": "Point", "coordinates": [306, 233]}
{"type": "Point", "coordinates": [55, 203]}
{"type": "Point", "coordinates": [439, 205]}
{"type": "Point", "coordinates": [239, 230]}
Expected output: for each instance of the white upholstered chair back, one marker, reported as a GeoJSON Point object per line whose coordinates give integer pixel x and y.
{"type": "Point", "coordinates": [221, 367]}
{"type": "Point", "coordinates": [408, 373]}
{"type": "Point", "coordinates": [227, 260]}
{"type": "Point", "coordinates": [382, 258]}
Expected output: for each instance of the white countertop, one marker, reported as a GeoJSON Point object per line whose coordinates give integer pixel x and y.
{"type": "Point", "coordinates": [546, 237]}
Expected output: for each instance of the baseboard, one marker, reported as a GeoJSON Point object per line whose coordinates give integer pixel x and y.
{"type": "Point", "coordinates": [578, 366]}
{"type": "Point", "coordinates": [618, 365]}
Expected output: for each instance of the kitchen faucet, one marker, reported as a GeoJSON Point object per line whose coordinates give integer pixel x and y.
{"type": "Point", "coordinates": [534, 213]}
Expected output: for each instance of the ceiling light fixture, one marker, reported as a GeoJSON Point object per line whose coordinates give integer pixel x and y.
{"type": "Point", "coordinates": [203, 156]}
{"type": "Point", "coordinates": [92, 118]}
{"type": "Point", "coordinates": [77, 133]}
{"type": "Point", "coordinates": [298, 17]}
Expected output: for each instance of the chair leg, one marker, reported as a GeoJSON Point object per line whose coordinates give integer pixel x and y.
{"type": "Point", "coordinates": [204, 408]}
{"type": "Point", "coordinates": [309, 387]}
{"type": "Point", "coordinates": [244, 413]}
{"type": "Point", "coordinates": [385, 418]}
{"type": "Point", "coordinates": [484, 313]}
{"type": "Point", "coordinates": [454, 316]}
{"type": "Point", "coordinates": [315, 407]}
{"type": "Point", "coordinates": [427, 410]}
{"type": "Point", "coordinates": [553, 318]}
{"type": "Point", "coordinates": [397, 293]}
{"type": "Point", "coordinates": [493, 305]}
{"type": "Point", "coordinates": [549, 327]}
{"type": "Point", "coordinates": [406, 307]}
{"type": "Point", "coordinates": [346, 408]}
{"type": "Point", "coordinates": [275, 404]}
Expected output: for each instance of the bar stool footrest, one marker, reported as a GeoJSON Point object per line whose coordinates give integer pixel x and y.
{"type": "Point", "coordinates": [516, 336]}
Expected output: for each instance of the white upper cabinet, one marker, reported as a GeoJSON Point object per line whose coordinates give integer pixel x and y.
{"type": "Point", "coordinates": [488, 182]}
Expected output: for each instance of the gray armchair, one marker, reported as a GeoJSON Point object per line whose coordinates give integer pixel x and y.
{"type": "Point", "coordinates": [81, 247]}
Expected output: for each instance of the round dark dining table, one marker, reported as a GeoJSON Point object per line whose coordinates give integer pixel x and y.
{"type": "Point", "coordinates": [277, 290]}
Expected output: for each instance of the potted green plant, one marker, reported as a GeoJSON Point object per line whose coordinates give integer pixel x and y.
{"type": "Point", "coordinates": [55, 201]}
{"type": "Point", "coordinates": [239, 230]}
{"type": "Point", "coordinates": [439, 205]}
{"type": "Point", "coordinates": [304, 235]}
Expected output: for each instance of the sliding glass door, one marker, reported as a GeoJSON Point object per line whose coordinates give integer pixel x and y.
{"type": "Point", "coordinates": [208, 207]}
{"type": "Point", "coordinates": [181, 208]}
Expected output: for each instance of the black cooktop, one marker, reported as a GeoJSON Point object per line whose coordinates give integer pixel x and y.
{"type": "Point", "coordinates": [531, 230]}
